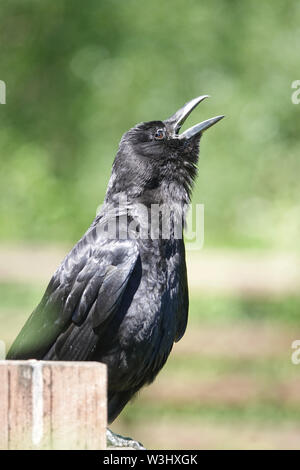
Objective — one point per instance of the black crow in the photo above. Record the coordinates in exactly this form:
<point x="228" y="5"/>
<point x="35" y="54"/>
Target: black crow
<point x="121" y="295"/>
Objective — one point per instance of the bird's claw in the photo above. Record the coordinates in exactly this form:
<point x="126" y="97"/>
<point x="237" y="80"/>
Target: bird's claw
<point x="116" y="440"/>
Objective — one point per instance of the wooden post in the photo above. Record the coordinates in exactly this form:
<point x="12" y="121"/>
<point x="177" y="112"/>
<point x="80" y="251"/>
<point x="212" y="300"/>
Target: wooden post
<point x="52" y="405"/>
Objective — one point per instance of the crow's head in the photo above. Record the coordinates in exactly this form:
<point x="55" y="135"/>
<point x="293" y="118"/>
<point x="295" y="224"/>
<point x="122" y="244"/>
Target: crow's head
<point x="155" y="161"/>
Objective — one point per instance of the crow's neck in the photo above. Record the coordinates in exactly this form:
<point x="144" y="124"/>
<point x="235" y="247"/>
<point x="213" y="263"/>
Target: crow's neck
<point x="159" y="213"/>
<point x="169" y="192"/>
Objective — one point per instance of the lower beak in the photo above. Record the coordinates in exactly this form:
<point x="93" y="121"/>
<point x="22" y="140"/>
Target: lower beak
<point x="176" y="121"/>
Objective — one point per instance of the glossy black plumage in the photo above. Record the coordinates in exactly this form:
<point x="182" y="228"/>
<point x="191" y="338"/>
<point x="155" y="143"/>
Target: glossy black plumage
<point x="123" y="301"/>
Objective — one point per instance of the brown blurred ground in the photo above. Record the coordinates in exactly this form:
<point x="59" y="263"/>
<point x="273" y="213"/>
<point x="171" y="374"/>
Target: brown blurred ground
<point x="209" y="270"/>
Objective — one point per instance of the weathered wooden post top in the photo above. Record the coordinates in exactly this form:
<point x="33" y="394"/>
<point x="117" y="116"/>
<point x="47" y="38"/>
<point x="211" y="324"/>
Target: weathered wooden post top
<point x="52" y="405"/>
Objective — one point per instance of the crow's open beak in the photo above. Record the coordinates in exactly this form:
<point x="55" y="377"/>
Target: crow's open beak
<point x="175" y="122"/>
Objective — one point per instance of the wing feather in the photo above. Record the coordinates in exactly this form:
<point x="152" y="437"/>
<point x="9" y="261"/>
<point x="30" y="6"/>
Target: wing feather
<point x="91" y="280"/>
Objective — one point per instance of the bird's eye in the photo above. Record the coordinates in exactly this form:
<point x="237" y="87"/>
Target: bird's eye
<point x="159" y="134"/>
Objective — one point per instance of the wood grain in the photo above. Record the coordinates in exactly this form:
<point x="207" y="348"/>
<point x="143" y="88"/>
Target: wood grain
<point x="52" y="405"/>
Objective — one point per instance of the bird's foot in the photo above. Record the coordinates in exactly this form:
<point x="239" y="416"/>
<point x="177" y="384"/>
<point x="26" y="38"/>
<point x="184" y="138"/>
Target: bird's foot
<point x="115" y="440"/>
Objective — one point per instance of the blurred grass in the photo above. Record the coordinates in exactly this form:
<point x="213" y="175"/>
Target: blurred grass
<point x="77" y="80"/>
<point x="19" y="296"/>
<point x="262" y="413"/>
<point x="223" y="309"/>
<point x="214" y="309"/>
<point x="212" y="367"/>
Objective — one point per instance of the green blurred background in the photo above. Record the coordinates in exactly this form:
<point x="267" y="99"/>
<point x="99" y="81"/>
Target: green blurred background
<point x="78" y="75"/>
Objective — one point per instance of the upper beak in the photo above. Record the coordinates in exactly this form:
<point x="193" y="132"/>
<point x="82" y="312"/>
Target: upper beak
<point x="176" y="121"/>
